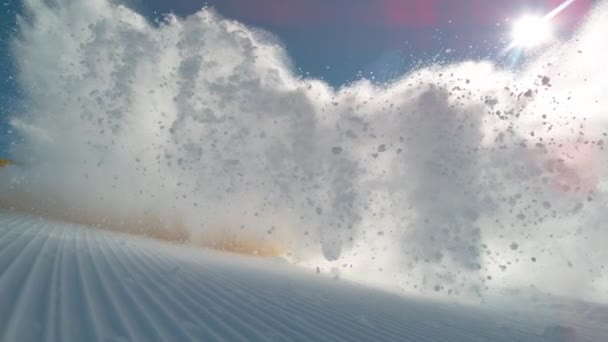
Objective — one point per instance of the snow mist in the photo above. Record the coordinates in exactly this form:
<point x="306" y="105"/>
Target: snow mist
<point x="454" y="180"/>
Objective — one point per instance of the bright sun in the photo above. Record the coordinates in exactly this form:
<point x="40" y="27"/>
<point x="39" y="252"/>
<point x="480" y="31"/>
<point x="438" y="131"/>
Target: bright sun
<point x="530" y="31"/>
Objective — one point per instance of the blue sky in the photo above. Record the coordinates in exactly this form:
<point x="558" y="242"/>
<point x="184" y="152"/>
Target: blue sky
<point x="341" y="40"/>
<point x="9" y="95"/>
<point x="383" y="37"/>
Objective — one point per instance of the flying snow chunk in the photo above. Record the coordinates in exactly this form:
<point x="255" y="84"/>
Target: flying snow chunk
<point x="332" y="249"/>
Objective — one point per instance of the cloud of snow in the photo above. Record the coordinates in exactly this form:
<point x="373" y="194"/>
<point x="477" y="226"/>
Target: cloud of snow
<point x="455" y="179"/>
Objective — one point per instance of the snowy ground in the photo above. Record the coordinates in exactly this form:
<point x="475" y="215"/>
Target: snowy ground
<point x="61" y="282"/>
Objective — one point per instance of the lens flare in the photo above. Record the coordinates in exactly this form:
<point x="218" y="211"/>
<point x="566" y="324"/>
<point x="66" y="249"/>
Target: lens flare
<point x="5" y="162"/>
<point x="531" y="31"/>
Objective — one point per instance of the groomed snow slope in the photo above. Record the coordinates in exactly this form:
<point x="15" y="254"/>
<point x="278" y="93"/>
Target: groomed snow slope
<point x="62" y="282"/>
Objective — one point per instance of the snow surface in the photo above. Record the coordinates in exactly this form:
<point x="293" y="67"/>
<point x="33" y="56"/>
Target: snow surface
<point x="65" y="282"/>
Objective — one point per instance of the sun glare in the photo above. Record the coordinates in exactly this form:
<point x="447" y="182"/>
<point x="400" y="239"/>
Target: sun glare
<point x="531" y="31"/>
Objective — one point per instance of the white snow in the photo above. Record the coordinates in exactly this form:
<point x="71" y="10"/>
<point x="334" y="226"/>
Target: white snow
<point x="64" y="282"/>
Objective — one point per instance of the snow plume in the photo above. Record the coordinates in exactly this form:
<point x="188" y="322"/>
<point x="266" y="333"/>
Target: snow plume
<point x="456" y="179"/>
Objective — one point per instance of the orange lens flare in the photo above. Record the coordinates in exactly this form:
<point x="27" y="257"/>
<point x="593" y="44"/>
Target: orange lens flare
<point x="5" y="162"/>
<point x="173" y="230"/>
<point x="241" y="243"/>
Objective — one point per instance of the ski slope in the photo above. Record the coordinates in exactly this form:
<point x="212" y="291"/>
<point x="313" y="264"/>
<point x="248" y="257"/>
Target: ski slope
<point x="63" y="282"/>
